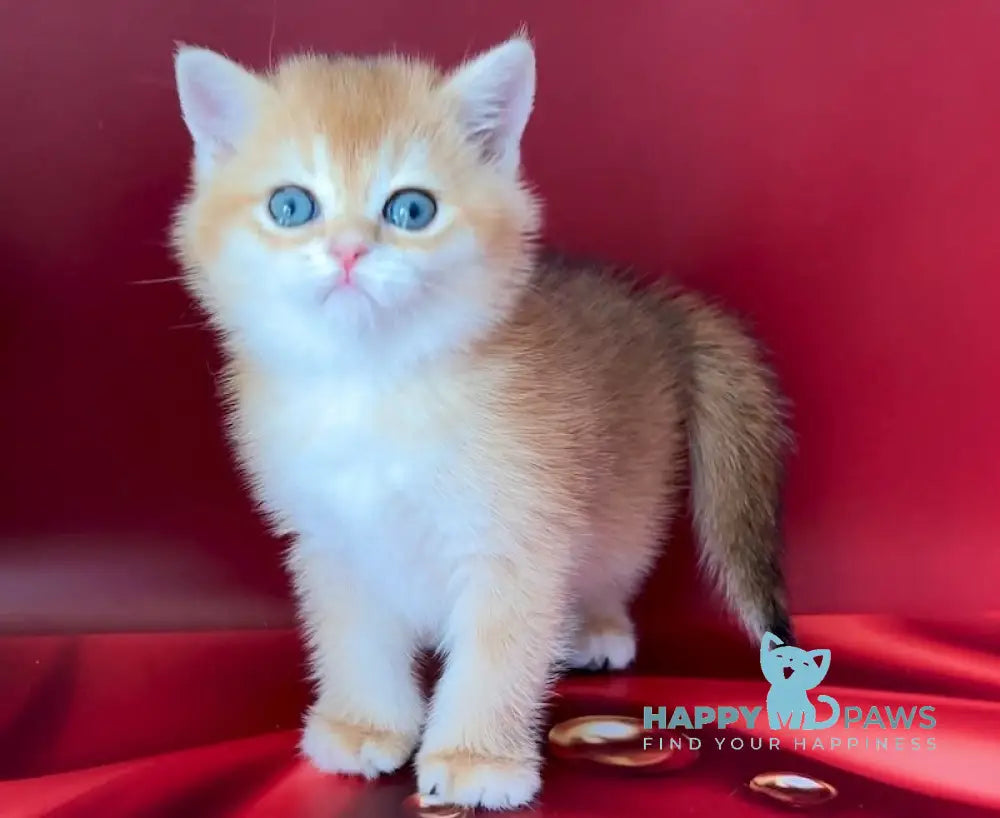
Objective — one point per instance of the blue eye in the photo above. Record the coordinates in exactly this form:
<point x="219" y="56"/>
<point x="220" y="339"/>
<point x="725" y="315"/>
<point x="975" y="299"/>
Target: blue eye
<point x="410" y="209"/>
<point x="292" y="206"/>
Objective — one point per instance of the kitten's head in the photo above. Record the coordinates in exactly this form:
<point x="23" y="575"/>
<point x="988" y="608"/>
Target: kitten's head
<point x="342" y="206"/>
<point x="789" y="666"/>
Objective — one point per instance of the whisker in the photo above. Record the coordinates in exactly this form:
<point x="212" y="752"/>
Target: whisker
<point x="196" y="325"/>
<point x="157" y="280"/>
<point x="274" y="28"/>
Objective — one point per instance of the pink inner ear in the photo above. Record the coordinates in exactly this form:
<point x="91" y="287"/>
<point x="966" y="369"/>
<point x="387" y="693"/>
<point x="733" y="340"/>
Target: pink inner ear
<point x="213" y="116"/>
<point x="204" y="102"/>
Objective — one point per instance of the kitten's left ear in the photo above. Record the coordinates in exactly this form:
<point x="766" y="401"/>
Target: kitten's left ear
<point x="219" y="99"/>
<point x="821" y="658"/>
<point x="496" y="91"/>
<point x="769" y="641"/>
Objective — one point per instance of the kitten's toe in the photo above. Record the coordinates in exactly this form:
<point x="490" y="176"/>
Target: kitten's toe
<point x="339" y="747"/>
<point x="612" y="648"/>
<point x="476" y="780"/>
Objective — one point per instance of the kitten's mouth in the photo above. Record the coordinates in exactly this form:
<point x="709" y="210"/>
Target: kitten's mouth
<point x="342" y="289"/>
<point x="788" y="672"/>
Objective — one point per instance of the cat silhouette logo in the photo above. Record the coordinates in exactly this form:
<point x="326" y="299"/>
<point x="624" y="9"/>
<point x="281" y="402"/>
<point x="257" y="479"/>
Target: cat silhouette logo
<point x="793" y="672"/>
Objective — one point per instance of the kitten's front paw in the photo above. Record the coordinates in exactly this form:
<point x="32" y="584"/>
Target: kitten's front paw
<point x="476" y="780"/>
<point x="339" y="747"/>
<point x="597" y="648"/>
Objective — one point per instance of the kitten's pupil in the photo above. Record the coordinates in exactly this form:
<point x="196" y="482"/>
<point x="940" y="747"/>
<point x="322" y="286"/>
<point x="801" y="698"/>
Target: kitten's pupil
<point x="410" y="209"/>
<point x="292" y="206"/>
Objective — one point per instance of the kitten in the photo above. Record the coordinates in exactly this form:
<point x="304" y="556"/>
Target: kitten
<point x="792" y="672"/>
<point x="475" y="449"/>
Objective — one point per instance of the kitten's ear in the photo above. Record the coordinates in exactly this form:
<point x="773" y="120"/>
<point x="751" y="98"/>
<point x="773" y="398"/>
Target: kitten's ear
<point x="769" y="641"/>
<point x="218" y="101"/>
<point x="821" y="658"/>
<point x="496" y="91"/>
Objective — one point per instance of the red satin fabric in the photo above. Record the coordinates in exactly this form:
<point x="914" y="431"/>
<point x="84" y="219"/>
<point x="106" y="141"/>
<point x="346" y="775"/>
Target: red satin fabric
<point x="204" y="724"/>
<point x="828" y="170"/>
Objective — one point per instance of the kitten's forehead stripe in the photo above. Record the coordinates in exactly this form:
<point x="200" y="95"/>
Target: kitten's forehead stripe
<point x="327" y="180"/>
<point x="357" y="104"/>
<point x="363" y="126"/>
<point x="381" y="178"/>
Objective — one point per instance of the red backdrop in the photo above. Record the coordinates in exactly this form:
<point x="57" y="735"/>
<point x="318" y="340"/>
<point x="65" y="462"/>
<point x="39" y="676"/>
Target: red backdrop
<point x="827" y="169"/>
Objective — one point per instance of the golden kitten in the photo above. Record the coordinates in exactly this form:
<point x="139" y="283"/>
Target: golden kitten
<point x="475" y="449"/>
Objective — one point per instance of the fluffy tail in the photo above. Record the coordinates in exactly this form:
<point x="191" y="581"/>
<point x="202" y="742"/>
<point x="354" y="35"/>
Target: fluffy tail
<point x="737" y="441"/>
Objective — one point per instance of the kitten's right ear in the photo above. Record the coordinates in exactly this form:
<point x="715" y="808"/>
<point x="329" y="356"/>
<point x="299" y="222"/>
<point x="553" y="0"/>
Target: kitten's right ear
<point x="218" y="101"/>
<point x="496" y="91"/>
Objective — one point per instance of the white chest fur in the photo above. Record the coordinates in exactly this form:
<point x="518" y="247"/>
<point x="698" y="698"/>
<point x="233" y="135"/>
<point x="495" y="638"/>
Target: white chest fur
<point x="378" y="479"/>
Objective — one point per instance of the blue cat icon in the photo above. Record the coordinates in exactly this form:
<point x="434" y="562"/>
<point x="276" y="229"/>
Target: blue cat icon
<point x="792" y="672"/>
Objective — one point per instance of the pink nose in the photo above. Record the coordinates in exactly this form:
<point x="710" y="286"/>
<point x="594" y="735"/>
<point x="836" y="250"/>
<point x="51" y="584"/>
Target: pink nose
<point x="348" y="254"/>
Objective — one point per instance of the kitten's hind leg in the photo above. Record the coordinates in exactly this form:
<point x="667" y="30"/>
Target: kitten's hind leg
<point x="622" y="549"/>
<point x="623" y="542"/>
<point x="604" y="637"/>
